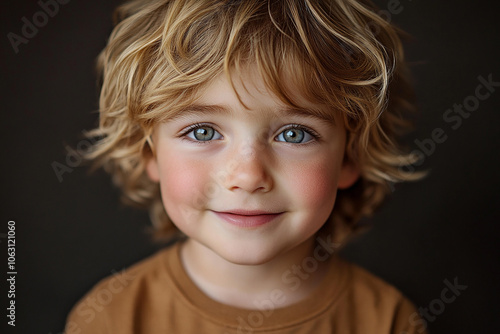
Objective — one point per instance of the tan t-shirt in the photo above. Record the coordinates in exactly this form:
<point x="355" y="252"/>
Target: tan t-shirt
<point x="157" y="296"/>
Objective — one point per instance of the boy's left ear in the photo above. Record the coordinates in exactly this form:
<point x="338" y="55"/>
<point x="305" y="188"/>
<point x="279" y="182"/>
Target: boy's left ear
<point x="349" y="174"/>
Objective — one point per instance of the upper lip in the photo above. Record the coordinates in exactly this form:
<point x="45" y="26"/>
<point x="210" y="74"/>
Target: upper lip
<point x="242" y="212"/>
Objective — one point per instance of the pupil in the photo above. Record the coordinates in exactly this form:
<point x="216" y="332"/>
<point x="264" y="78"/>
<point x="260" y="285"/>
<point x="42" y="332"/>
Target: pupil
<point x="294" y="135"/>
<point x="204" y="134"/>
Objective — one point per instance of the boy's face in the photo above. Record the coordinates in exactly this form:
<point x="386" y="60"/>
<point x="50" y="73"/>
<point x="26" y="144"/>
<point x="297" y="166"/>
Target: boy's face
<point x="218" y="162"/>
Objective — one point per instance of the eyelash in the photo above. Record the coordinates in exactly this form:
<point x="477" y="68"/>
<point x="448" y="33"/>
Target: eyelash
<point x="195" y="126"/>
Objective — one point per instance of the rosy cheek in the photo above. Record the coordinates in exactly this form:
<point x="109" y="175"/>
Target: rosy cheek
<point x="315" y="184"/>
<point x="182" y="185"/>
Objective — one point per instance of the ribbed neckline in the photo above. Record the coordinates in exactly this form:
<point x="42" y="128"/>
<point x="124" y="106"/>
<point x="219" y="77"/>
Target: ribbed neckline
<point x="324" y="297"/>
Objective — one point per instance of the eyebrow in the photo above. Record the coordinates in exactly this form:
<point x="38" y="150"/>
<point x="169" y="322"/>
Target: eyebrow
<point x="315" y="113"/>
<point x="199" y="109"/>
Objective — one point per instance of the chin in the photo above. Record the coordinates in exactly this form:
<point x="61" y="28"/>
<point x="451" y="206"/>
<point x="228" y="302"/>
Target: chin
<point x="245" y="256"/>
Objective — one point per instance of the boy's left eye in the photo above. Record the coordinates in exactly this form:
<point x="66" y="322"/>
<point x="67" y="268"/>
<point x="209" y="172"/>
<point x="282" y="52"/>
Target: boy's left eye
<point x="295" y="135"/>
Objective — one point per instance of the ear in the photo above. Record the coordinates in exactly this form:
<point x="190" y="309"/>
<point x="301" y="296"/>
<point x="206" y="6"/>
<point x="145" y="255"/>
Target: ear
<point x="349" y="174"/>
<point x="152" y="169"/>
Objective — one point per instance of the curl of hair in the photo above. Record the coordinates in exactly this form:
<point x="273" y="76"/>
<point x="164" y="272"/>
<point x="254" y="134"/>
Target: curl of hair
<point x="339" y="53"/>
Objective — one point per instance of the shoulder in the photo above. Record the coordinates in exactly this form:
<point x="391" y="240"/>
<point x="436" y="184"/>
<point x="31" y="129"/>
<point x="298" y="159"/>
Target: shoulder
<point x="371" y="287"/>
<point x="119" y="295"/>
<point x="379" y="302"/>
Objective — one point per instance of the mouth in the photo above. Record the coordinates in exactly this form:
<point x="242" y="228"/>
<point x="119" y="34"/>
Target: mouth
<point x="247" y="218"/>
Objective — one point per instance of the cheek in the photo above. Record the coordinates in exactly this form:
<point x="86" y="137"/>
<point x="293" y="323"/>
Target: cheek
<point x="314" y="185"/>
<point x="183" y="185"/>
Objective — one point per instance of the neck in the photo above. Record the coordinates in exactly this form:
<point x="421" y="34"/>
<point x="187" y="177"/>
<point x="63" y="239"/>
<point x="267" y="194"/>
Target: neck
<point x="245" y="285"/>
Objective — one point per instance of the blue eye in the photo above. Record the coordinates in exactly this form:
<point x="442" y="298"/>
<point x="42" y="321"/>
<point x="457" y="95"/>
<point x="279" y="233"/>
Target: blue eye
<point x="200" y="132"/>
<point x="295" y="135"/>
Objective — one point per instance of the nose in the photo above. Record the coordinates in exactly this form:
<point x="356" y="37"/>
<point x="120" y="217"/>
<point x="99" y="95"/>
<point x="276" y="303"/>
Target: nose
<point x="248" y="169"/>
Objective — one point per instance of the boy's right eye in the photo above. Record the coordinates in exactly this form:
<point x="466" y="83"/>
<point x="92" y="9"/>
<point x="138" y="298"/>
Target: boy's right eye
<point x="202" y="132"/>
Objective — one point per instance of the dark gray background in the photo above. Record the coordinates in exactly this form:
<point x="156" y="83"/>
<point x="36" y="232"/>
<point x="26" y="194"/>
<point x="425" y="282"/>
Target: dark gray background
<point x="72" y="233"/>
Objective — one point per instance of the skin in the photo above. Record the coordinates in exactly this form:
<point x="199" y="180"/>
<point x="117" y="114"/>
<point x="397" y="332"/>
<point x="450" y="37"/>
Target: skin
<point x="250" y="164"/>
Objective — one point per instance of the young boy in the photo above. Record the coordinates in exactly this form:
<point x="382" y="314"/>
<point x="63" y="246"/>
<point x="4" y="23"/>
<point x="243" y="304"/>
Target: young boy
<point x="261" y="131"/>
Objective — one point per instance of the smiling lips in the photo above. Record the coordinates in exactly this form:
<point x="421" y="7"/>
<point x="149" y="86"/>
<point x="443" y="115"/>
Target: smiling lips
<point x="245" y="218"/>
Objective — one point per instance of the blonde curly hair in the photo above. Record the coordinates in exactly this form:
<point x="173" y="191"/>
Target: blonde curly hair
<point x="341" y="54"/>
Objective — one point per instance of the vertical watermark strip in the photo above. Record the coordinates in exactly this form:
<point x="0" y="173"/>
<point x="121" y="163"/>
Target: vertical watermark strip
<point x="11" y="273"/>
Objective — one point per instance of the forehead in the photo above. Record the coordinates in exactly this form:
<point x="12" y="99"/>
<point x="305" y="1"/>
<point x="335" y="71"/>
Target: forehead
<point x="247" y="92"/>
<point x="240" y="90"/>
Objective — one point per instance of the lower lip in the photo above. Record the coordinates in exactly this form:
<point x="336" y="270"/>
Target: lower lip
<point x="247" y="221"/>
